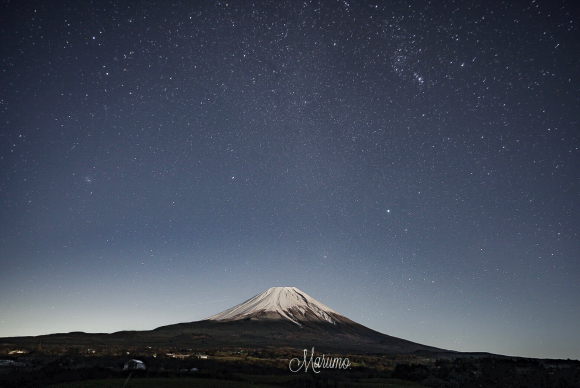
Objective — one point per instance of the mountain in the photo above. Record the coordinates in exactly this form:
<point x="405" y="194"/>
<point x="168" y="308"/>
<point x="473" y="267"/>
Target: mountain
<point x="277" y="317"/>
<point x="286" y="316"/>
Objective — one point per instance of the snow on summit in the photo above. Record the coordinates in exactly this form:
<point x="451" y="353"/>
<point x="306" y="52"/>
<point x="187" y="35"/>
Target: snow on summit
<point x="279" y="302"/>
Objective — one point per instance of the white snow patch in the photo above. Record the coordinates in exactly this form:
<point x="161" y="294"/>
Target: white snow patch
<point x="278" y="300"/>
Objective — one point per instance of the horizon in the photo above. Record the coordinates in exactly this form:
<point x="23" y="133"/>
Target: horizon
<point x="413" y="166"/>
<point x="245" y="300"/>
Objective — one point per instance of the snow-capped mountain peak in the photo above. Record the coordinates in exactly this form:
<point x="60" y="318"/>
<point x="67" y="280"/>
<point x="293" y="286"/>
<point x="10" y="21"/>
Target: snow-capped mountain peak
<point x="279" y="303"/>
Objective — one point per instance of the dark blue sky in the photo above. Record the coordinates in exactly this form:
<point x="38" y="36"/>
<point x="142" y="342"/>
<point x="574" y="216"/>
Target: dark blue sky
<point x="414" y="166"/>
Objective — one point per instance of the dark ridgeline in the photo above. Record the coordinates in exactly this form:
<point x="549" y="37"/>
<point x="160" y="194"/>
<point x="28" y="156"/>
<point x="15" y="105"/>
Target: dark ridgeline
<point x="280" y="316"/>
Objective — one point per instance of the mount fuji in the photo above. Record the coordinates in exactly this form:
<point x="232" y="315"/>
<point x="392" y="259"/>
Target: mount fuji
<point x="287" y="316"/>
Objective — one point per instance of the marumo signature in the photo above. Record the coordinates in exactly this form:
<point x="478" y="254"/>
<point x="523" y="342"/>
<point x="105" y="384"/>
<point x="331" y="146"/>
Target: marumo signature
<point x="315" y="363"/>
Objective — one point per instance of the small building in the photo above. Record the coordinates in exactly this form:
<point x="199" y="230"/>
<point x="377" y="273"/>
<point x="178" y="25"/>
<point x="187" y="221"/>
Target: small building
<point x="134" y="365"/>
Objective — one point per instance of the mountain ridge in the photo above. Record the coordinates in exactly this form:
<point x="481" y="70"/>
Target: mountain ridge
<point x="277" y="317"/>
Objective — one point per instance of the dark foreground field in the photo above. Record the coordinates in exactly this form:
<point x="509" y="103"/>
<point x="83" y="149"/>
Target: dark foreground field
<point x="296" y="381"/>
<point x="223" y="370"/>
<point x="268" y="367"/>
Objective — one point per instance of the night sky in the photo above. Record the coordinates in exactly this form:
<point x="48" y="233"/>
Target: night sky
<point x="413" y="165"/>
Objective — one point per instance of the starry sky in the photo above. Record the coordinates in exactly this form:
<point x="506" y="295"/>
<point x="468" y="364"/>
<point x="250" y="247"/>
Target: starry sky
<point x="414" y="165"/>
